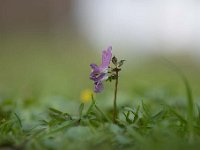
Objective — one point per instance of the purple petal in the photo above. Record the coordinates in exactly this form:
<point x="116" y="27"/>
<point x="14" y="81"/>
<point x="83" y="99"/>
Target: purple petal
<point x="94" y="67"/>
<point x="98" y="77"/>
<point x="93" y="76"/>
<point x="106" y="58"/>
<point x="99" y="73"/>
<point x="98" y="87"/>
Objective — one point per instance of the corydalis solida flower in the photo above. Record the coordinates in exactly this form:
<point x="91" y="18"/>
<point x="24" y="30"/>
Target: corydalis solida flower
<point x="100" y="73"/>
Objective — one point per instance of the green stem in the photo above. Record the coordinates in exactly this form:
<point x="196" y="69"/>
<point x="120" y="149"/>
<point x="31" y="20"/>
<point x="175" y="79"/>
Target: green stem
<point x="98" y="109"/>
<point x="115" y="98"/>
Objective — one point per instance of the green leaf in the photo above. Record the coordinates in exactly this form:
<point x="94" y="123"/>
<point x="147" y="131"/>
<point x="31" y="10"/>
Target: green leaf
<point x="114" y="60"/>
<point x="109" y="79"/>
<point x="18" y="119"/>
<point x="55" y="111"/>
<point x="121" y="62"/>
<point x="81" y="107"/>
<point x="61" y="127"/>
<point x="127" y="117"/>
<point x="146" y="110"/>
<point x="59" y="115"/>
<point x="90" y="107"/>
<point x="159" y="115"/>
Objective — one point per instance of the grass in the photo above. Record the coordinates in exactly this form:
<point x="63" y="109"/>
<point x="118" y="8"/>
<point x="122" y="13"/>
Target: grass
<point x="139" y="127"/>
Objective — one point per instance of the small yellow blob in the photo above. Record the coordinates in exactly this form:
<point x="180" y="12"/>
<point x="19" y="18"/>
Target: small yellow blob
<point x="86" y="96"/>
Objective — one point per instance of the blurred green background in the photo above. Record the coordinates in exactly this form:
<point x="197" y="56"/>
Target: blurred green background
<point x="43" y="53"/>
<point x="35" y="65"/>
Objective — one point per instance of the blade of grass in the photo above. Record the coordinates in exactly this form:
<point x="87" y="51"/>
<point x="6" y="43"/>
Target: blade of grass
<point x="190" y="112"/>
<point x="81" y="107"/>
<point x="91" y="106"/>
<point x="98" y="109"/>
<point x="181" y="118"/>
<point x="18" y="119"/>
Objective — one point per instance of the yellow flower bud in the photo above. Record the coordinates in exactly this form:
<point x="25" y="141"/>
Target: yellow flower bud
<point x="86" y="96"/>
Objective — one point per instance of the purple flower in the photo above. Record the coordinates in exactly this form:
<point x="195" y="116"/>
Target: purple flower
<point x="100" y="73"/>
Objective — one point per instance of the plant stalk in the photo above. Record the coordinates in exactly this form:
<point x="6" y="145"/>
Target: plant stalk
<point x="115" y="98"/>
